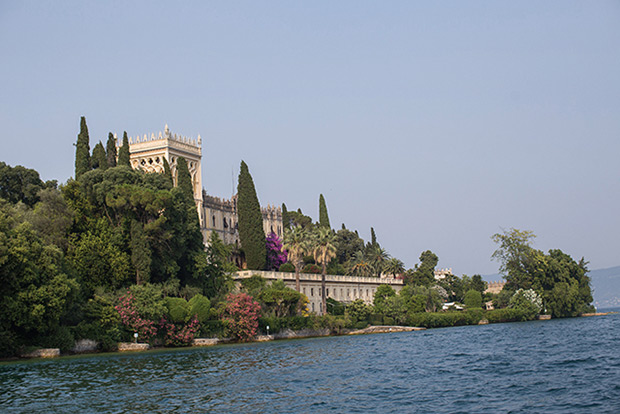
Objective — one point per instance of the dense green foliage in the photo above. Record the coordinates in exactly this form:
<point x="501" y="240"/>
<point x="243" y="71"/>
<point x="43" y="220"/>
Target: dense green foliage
<point x="20" y="184"/>
<point x="251" y="233"/>
<point x="561" y="282"/>
<point x="473" y="299"/>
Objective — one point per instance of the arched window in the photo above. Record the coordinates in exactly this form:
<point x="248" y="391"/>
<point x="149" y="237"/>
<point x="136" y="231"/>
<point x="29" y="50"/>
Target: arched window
<point x="213" y="221"/>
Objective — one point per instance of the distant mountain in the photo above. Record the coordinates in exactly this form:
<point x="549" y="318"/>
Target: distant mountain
<point x="605" y="286"/>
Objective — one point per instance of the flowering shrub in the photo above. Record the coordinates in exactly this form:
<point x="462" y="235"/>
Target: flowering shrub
<point x="528" y="301"/>
<point x="275" y="254"/>
<point x="132" y="320"/>
<point x="241" y="315"/>
<point x="174" y="335"/>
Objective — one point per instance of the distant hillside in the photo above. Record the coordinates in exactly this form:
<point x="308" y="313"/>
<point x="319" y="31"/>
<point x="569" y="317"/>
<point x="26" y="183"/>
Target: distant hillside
<point x="605" y="286"/>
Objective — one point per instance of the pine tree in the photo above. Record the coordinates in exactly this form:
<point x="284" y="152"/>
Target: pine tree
<point x="99" y="159"/>
<point x="82" y="150"/>
<point x="168" y="172"/>
<point x="251" y="233"/>
<point x="323" y="216"/>
<point x="184" y="179"/>
<point x="285" y="220"/>
<point x="111" y="150"/>
<point x="123" y="153"/>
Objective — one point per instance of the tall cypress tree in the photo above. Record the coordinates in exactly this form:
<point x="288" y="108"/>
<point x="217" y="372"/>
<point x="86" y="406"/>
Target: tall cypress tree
<point x="110" y="148"/>
<point x="123" y="153"/>
<point x="140" y="253"/>
<point x="323" y="217"/>
<point x="82" y="150"/>
<point x="184" y="179"/>
<point x="373" y="237"/>
<point x="285" y="220"/>
<point x="99" y="159"/>
<point x="251" y="233"/>
<point x="168" y="172"/>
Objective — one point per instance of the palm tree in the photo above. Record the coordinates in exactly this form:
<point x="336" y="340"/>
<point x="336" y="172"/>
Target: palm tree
<point x="296" y="243"/>
<point x="361" y="265"/>
<point x="377" y="257"/>
<point x="324" y="251"/>
<point x="394" y="266"/>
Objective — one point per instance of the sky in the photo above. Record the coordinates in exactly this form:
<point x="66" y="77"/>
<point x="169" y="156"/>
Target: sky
<point x="438" y="124"/>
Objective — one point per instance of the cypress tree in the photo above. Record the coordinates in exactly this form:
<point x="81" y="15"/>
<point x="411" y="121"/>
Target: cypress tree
<point x="111" y="150"/>
<point x="168" y="172"/>
<point x="82" y="150"/>
<point x="123" y="153"/>
<point x="373" y="237"/>
<point x="251" y="233"/>
<point x="99" y="159"/>
<point x="285" y="220"/>
<point x="323" y="216"/>
<point x="140" y="253"/>
<point x="184" y="179"/>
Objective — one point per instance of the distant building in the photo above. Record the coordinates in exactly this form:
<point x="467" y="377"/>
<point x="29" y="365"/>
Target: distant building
<point x="495" y="287"/>
<point x="216" y="215"/>
<point x="442" y="273"/>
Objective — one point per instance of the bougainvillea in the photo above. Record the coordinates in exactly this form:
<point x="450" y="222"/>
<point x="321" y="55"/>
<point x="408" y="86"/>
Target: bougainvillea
<point x="275" y="254"/>
<point x="241" y="315"/>
<point x="130" y="318"/>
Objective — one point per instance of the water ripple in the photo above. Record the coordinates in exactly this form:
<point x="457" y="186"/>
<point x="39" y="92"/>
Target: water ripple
<point x="553" y="366"/>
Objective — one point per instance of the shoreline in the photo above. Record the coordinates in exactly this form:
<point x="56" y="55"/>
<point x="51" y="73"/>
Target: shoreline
<point x="286" y="334"/>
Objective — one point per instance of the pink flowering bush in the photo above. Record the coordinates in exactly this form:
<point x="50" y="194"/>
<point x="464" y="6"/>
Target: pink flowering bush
<point x="241" y="316"/>
<point x="175" y="334"/>
<point x="130" y="318"/>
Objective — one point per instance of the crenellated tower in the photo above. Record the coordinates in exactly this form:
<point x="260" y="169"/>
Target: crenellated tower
<point x="148" y="152"/>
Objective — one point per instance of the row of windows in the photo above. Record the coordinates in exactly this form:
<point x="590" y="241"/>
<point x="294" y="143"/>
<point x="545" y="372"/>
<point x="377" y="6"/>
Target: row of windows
<point x="340" y="293"/>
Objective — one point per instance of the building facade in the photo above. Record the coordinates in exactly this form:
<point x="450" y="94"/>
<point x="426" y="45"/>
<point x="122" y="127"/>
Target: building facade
<point x="344" y="289"/>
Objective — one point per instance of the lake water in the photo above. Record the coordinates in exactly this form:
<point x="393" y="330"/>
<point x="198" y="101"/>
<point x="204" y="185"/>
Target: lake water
<point x="557" y="366"/>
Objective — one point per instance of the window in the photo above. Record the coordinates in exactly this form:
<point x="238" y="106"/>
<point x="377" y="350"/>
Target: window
<point x="213" y="221"/>
<point x="348" y="294"/>
<point x="354" y="293"/>
<point x="312" y="306"/>
<point x="327" y="292"/>
<point x="225" y="223"/>
<point x="312" y="294"/>
<point x="304" y="291"/>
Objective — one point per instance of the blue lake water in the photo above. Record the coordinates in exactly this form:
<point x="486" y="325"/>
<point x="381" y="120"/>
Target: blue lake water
<point x="557" y="366"/>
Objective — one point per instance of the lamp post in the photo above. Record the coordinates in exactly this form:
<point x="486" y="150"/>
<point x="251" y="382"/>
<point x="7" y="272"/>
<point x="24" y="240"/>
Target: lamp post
<point x="267" y="330"/>
<point x="135" y="337"/>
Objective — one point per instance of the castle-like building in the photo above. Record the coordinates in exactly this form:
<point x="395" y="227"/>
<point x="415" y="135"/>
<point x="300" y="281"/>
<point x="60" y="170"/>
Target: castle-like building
<point x="215" y="214"/>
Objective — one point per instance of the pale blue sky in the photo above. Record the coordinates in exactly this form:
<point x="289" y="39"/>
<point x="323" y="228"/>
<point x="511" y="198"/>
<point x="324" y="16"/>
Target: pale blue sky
<point x="437" y="123"/>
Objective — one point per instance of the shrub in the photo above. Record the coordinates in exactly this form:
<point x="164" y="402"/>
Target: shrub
<point x="527" y="301"/>
<point x="287" y="267"/>
<point x="311" y="268"/>
<point x="473" y="299"/>
<point x="241" y="316"/>
<point x="178" y="309"/>
<point x="200" y="307"/>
